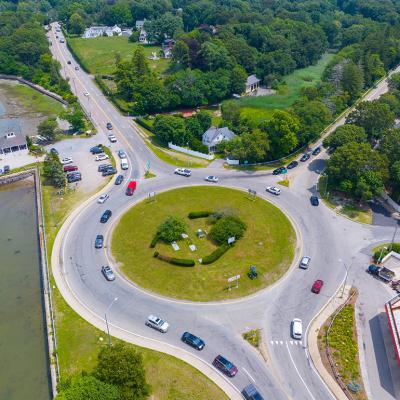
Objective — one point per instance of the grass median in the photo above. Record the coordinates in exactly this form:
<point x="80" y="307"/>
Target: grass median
<point x="268" y="243"/>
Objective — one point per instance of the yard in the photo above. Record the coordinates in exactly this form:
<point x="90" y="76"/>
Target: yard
<point x="98" y="54"/>
<point x="268" y="243"/>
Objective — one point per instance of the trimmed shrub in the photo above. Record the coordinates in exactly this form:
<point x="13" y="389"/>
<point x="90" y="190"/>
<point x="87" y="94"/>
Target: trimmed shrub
<point x="171" y="229"/>
<point x="154" y="241"/>
<point x="199" y="214"/>
<point x="227" y="227"/>
<point x="216" y="254"/>
<point x="182" y="262"/>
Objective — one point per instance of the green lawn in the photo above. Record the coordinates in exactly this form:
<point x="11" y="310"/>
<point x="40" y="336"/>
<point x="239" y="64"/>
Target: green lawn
<point x="99" y="54"/>
<point x="268" y="244"/>
<point x="300" y="78"/>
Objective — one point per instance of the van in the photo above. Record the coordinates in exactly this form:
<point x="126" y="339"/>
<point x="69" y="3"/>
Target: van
<point x="305" y="262"/>
<point x="297" y="329"/>
<point x="124" y="164"/>
<point x="131" y="188"/>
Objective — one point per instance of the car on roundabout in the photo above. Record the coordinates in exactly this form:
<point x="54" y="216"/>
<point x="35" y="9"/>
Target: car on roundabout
<point x="225" y="366"/>
<point x="157" y="323"/>
<point x="105" y="216"/>
<point x="98" y="243"/>
<point x="211" y="178"/>
<point x="297" y="328"/>
<point x="103" y="198"/>
<point x="183" y="171"/>
<point x="119" y="179"/>
<point x="193" y="341"/>
<point x="112" y="138"/>
<point x="280" y="170"/>
<point x="251" y="393"/>
<point x="274" y="190"/>
<point x="314" y="201"/>
<point x="317" y="286"/>
<point x="121" y="153"/>
<point x="108" y="273"/>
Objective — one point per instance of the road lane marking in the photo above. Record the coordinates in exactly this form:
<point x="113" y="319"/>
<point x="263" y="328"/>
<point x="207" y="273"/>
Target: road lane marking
<point x="281" y="342"/>
<point x="298" y="373"/>
<point x="247" y="372"/>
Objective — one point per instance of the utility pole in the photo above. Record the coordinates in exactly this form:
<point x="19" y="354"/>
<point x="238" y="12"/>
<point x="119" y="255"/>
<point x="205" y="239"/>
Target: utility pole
<point x="105" y="316"/>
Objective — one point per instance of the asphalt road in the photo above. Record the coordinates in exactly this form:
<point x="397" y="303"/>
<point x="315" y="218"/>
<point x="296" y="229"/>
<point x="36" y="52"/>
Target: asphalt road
<point x="322" y="235"/>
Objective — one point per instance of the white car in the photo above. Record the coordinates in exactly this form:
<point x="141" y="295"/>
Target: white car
<point x="211" y="178"/>
<point x="102" y="199"/>
<point x="183" y="171"/>
<point x="297" y="328"/>
<point x="157" y="323"/>
<point x="112" y="138"/>
<point x="121" y="154"/>
<point x="305" y="262"/>
<point x="86" y="94"/>
<point x="274" y="190"/>
<point x="124" y="164"/>
<point x="101" y="157"/>
<point x="66" y="160"/>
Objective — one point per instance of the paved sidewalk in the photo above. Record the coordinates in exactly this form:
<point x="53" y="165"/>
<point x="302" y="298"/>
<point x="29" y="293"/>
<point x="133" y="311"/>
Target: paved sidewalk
<point x="334" y="303"/>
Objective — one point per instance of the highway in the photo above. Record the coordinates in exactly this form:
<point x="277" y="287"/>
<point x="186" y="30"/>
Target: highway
<point x="288" y="372"/>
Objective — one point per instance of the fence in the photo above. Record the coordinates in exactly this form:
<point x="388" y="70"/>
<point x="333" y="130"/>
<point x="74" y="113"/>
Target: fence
<point x="191" y="152"/>
<point x="6" y="179"/>
<point x="391" y="202"/>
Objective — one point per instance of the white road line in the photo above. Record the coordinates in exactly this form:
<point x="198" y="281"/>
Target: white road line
<point x="276" y="342"/>
<point x="247" y="372"/>
<point x="272" y="342"/>
<point x="291" y="342"/>
<point x="281" y="342"/>
<point x="298" y="373"/>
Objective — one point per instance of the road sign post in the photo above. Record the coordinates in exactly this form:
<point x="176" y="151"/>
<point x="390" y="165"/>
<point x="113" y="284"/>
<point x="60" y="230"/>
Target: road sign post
<point x="252" y="194"/>
<point x="233" y="279"/>
<point x="152" y="196"/>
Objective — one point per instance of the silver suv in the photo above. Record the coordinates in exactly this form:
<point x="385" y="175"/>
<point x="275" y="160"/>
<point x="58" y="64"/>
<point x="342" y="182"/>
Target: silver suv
<point x="183" y="171"/>
<point x="157" y="323"/>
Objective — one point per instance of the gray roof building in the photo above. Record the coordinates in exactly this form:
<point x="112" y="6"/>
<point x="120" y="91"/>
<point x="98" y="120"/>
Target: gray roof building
<point x="12" y="142"/>
<point x="252" y="83"/>
<point x="213" y="136"/>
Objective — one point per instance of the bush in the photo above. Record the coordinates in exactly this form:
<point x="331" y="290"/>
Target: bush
<point x="395" y="247"/>
<point x="154" y="241"/>
<point x="216" y="254"/>
<point x="171" y="229"/>
<point x="143" y="123"/>
<point x="226" y="227"/>
<point x="199" y="214"/>
<point x="183" y="262"/>
<point x="99" y="80"/>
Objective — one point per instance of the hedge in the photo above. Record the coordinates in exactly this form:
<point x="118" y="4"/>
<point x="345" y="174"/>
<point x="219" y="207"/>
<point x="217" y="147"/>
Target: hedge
<point x="99" y="80"/>
<point x="144" y="124"/>
<point x="182" y="262"/>
<point x="199" y="214"/>
<point x="154" y="241"/>
<point x="216" y="254"/>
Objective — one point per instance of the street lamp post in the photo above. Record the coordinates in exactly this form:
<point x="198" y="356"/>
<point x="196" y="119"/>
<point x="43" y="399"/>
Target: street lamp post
<point x="380" y="255"/>
<point x="347" y="274"/>
<point x="105" y="316"/>
<point x="394" y="234"/>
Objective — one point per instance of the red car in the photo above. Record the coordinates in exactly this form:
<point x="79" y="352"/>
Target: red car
<point x="70" y="168"/>
<point x="131" y="188"/>
<point x="317" y="286"/>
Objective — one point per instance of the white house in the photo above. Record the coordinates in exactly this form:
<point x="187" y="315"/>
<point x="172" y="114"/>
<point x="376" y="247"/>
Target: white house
<point x="252" y="84"/>
<point x="139" y="24"/>
<point x="97" y="31"/>
<point x="213" y="136"/>
<point x="143" y="36"/>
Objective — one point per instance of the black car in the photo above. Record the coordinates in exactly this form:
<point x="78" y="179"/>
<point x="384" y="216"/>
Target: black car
<point x="314" y="200"/>
<point x="54" y="151"/>
<point x="251" y="393"/>
<point x="280" y="170"/>
<point x="109" y="125"/>
<point x="96" y="150"/>
<point x="98" y="243"/>
<point x="106" y="216"/>
<point x="225" y="366"/>
<point x="73" y="173"/>
<point x="305" y="157"/>
<point x="104" y="167"/>
<point x="119" y="179"/>
<point x="292" y="164"/>
<point x="316" y="151"/>
<point x="109" y="171"/>
<point x="193" y="341"/>
<point x="68" y="62"/>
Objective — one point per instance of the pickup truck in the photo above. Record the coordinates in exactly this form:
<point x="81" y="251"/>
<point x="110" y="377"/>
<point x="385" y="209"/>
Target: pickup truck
<point x="381" y="272"/>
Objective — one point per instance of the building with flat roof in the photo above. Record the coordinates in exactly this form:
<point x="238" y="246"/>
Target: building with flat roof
<point x="392" y="308"/>
<point x="13" y="142"/>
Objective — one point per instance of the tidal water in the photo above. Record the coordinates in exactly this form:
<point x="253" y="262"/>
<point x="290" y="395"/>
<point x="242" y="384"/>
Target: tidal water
<point x="24" y="372"/>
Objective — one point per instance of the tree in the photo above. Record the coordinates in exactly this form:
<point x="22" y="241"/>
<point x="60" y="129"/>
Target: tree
<point x="76" y="24"/>
<point x="167" y="25"/>
<point x="230" y="111"/>
<point x="226" y="227"/>
<point x="374" y="116"/>
<point x="53" y="170"/>
<point x="75" y="117"/>
<point x="394" y="81"/>
<point x="214" y="55"/>
<point x="170" y="128"/>
<point x="238" y="77"/>
<point x="88" y="388"/>
<point x="204" y="120"/>
<point x="390" y="145"/>
<point x="139" y="63"/>
<point x="171" y="229"/>
<point x="48" y="128"/>
<point x="352" y="80"/>
<point x="134" y="38"/>
<point x="180" y="54"/>
<point x="345" y="134"/>
<point x="123" y="367"/>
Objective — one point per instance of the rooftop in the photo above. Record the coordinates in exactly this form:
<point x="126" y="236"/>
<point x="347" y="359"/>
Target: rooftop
<point x="252" y="80"/>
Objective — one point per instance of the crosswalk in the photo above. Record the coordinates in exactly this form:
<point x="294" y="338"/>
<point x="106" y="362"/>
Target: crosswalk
<point x="282" y="342"/>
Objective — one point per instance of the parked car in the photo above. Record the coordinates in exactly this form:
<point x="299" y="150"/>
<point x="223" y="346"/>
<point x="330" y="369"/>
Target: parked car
<point x="211" y="178"/>
<point x="104" y="167"/>
<point x="101" y="157"/>
<point x="157" y="323"/>
<point x="280" y="170"/>
<point x="62" y="41"/>
<point x="292" y="164"/>
<point x="130" y="188"/>
<point x="73" y="173"/>
<point x="109" y="125"/>
<point x="316" y="151"/>
<point x="124" y="164"/>
<point x="274" y="190"/>
<point x="108" y="273"/>
<point x="305" y="262"/>
<point x="54" y="151"/>
<point x="6" y="169"/>
<point x="317" y="286"/>
<point x="74" y="178"/>
<point x="112" y="138"/>
<point x="76" y="68"/>
<point x="103" y="198"/>
<point x="119" y="179"/>
<point x="297" y="328"/>
<point x="66" y="160"/>
<point x="98" y="243"/>
<point x="381" y="272"/>
<point x="225" y="366"/>
<point x="305" y="157"/>
<point x="251" y="393"/>
<point x="183" y="171"/>
<point x="70" y="168"/>
<point x="109" y="171"/>
<point x="96" y="149"/>
<point x="193" y="341"/>
<point x="314" y="200"/>
<point x="121" y="153"/>
<point x="106" y="216"/>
